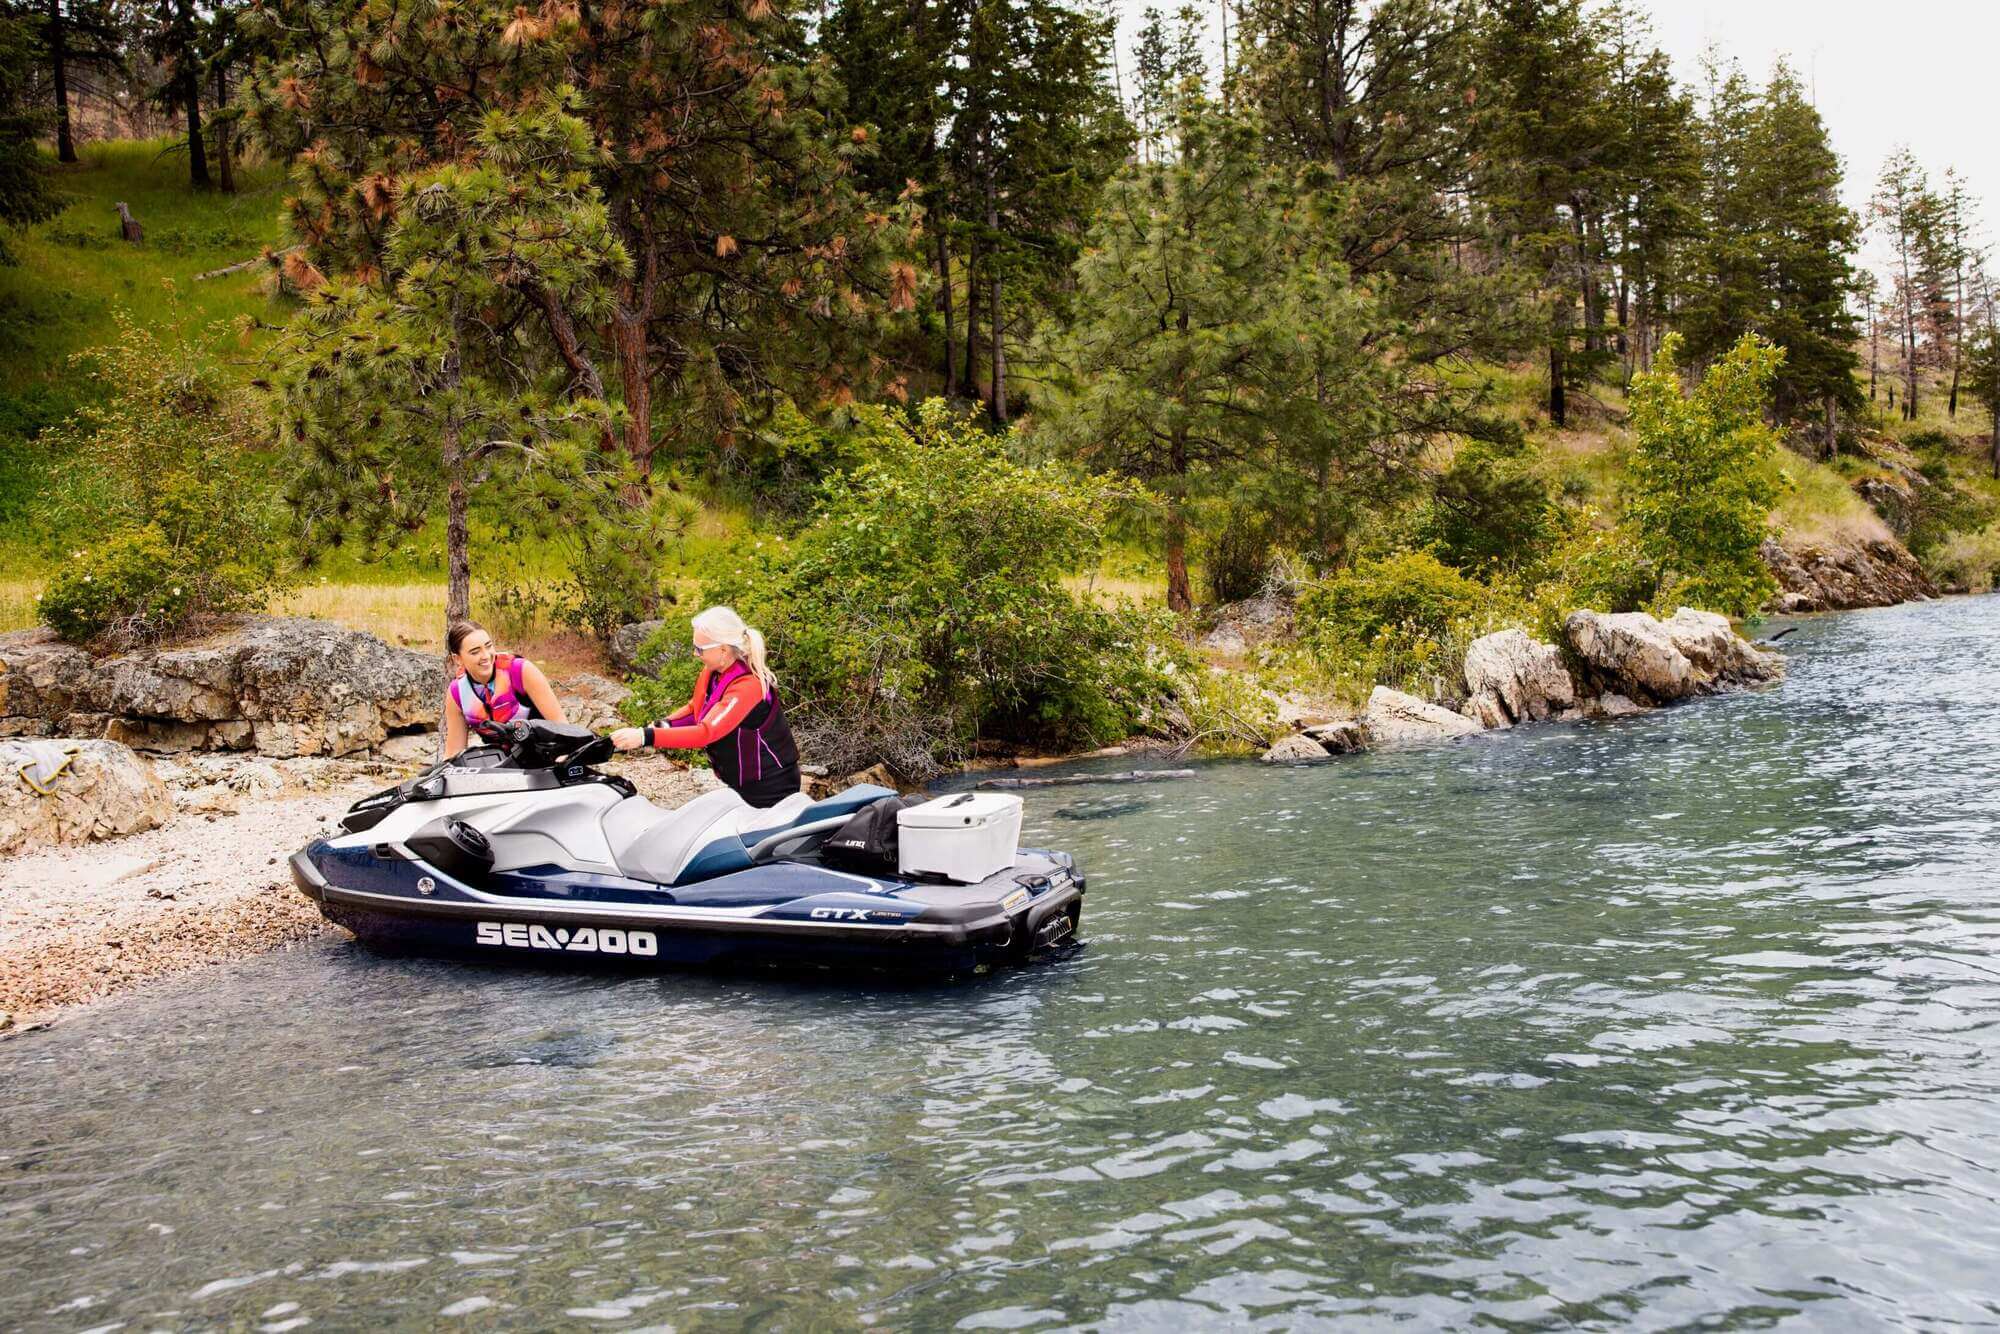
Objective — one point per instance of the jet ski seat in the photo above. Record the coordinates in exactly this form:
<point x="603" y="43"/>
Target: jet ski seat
<point x="711" y="834"/>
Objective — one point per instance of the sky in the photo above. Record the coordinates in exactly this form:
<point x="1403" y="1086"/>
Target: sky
<point x="1917" y="72"/>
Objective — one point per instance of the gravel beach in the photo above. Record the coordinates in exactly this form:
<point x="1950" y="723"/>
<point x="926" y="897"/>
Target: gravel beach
<point x="79" y="924"/>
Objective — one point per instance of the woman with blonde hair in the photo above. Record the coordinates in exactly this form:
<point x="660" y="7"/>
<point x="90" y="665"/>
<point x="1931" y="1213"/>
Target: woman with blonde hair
<point x="734" y="714"/>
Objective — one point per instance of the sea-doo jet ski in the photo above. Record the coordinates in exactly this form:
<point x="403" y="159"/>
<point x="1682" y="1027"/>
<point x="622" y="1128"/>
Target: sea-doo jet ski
<point x="523" y="849"/>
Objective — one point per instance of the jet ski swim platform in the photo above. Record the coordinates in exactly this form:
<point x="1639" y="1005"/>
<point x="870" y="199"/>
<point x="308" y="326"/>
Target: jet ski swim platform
<point x="523" y="850"/>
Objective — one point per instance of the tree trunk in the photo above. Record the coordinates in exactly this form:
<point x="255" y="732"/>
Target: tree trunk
<point x="59" y="71"/>
<point x="998" y="355"/>
<point x="1558" y="371"/>
<point x="1831" y="435"/>
<point x="1180" y="594"/>
<point x="190" y="87"/>
<point x="224" y="167"/>
<point x="970" y="379"/>
<point x="944" y="298"/>
<point x="1874" y="347"/>
<point x="457" y="540"/>
<point x="628" y="336"/>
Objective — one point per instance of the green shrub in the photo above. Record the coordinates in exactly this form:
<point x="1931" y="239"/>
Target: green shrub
<point x="1589" y="564"/>
<point x="139" y="586"/>
<point x="1699" y="494"/>
<point x="923" y="605"/>
<point x="1488" y="511"/>
<point x="163" y="509"/>
<point x="1942" y="508"/>
<point x="1402" y="621"/>
<point x="1967" y="561"/>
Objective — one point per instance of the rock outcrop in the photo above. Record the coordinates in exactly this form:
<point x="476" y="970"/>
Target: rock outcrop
<point x="626" y="641"/>
<point x="72" y="791"/>
<point x="1629" y="653"/>
<point x="1513" y="679"/>
<point x="1843" y="576"/>
<point x="279" y="686"/>
<point x="1721" y="657"/>
<point x="1648" y="662"/>
<point x="1393" y="719"/>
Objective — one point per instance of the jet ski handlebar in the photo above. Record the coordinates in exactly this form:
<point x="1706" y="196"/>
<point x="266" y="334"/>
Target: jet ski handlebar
<point x="536" y="743"/>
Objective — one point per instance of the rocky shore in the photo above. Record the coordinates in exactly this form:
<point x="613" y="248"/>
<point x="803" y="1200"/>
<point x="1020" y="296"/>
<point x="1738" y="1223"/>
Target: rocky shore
<point x="1610" y="665"/>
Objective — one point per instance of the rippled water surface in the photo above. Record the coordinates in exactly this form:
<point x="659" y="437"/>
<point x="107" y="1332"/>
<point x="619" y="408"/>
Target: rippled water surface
<point x="1686" y="1019"/>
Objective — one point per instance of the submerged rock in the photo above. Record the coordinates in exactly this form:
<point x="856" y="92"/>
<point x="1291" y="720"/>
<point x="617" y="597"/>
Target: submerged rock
<point x="1393" y="718"/>
<point x="1297" y="748"/>
<point x="72" y="791"/>
<point x="1514" y="679"/>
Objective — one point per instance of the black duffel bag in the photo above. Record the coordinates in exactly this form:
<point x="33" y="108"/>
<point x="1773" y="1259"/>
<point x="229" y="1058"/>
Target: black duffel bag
<point x="867" y="842"/>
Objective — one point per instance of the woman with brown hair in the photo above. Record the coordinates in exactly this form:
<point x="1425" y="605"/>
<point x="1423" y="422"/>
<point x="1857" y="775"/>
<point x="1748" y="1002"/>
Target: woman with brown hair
<point x="490" y="686"/>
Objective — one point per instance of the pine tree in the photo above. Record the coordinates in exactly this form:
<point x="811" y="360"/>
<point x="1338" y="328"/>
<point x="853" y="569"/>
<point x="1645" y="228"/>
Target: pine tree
<point x="27" y="194"/>
<point x="409" y="389"/>
<point x="1551" y="166"/>
<point x="83" y="42"/>
<point x="1775" y="256"/>
<point x="759" y="270"/>
<point x="1217" y="342"/>
<point x="1656" y="212"/>
<point x="1904" y="208"/>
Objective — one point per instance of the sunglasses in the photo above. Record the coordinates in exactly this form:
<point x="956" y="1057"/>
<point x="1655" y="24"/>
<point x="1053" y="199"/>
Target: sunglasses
<point x="700" y="649"/>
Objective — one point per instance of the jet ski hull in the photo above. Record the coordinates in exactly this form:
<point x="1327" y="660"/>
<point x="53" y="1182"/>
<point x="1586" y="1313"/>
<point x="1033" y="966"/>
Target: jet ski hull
<point x="557" y="918"/>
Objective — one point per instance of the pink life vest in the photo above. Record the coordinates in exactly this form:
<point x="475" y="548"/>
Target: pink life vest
<point x="500" y="699"/>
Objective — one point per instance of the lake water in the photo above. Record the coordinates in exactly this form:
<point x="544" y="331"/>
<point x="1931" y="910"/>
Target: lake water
<point x="1688" y="1019"/>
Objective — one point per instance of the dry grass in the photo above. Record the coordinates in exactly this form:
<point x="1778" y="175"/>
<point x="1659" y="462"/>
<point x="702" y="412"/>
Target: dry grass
<point x="1821" y="508"/>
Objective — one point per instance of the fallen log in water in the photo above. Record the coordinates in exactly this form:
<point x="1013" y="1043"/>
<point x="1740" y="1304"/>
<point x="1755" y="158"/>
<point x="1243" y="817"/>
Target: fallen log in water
<point x="1071" y="780"/>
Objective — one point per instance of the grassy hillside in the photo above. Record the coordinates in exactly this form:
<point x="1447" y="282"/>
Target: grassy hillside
<point x="75" y="273"/>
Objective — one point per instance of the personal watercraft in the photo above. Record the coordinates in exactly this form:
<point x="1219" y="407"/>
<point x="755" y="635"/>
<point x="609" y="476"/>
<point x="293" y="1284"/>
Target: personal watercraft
<point x="522" y="848"/>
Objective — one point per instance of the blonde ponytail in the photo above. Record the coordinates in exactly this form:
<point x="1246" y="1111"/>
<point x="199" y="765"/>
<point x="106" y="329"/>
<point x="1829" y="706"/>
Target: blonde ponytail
<point x="753" y="654"/>
<point x="724" y="626"/>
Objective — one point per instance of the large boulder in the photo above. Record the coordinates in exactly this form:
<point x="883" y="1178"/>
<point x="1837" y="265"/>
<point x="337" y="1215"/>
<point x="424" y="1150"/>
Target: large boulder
<point x="1718" y="653"/>
<point x="1514" y="679"/>
<point x="623" y="649"/>
<point x="1393" y="718"/>
<point x="1649" y="662"/>
<point x="1298" y="748"/>
<point x="1632" y="654"/>
<point x="283" y="686"/>
<point x="71" y="791"/>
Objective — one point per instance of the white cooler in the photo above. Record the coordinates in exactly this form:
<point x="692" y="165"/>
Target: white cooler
<point x="963" y="838"/>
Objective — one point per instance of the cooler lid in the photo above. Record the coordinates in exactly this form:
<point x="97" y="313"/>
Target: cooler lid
<point x="959" y="811"/>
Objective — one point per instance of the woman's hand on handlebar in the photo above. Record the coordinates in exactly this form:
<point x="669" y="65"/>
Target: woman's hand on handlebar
<point x="629" y="738"/>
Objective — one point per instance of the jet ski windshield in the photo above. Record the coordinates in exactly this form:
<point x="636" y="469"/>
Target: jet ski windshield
<point x="536" y="743"/>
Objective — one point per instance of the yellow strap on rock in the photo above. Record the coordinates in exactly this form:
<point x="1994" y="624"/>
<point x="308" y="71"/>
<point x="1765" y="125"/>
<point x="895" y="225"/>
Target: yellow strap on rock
<point x="46" y="786"/>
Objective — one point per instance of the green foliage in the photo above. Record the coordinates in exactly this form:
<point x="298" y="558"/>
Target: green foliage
<point x="163" y="507"/>
<point x="1775" y="256"/>
<point x="27" y="190"/>
<point x="1942" y="507"/>
<point x="923" y="605"/>
<point x="1589" y="563"/>
<point x="142" y="584"/>
<point x="1402" y="620"/>
<point x="1699" y="495"/>
<point x="1489" y="510"/>
<point x="399" y="394"/>
<point x="1218" y="344"/>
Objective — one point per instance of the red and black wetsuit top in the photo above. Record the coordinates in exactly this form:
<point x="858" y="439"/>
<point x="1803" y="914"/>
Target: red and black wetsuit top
<point x="741" y="725"/>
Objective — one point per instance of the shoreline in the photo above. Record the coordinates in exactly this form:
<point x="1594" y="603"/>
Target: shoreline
<point x="81" y="924"/>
